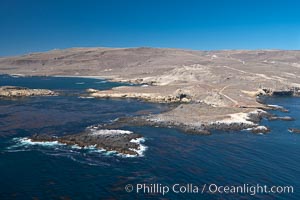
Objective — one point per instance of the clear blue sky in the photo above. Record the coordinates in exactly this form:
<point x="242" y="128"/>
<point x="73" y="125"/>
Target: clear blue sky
<point x="29" y="26"/>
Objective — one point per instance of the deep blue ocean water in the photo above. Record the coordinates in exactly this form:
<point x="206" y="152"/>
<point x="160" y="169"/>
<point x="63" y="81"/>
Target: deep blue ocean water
<point x="58" y="172"/>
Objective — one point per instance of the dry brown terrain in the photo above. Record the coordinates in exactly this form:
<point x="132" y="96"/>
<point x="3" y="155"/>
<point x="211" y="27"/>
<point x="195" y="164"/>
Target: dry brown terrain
<point x="13" y="92"/>
<point x="220" y="86"/>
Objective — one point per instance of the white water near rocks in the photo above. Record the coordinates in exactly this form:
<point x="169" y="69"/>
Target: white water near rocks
<point x="56" y="171"/>
<point x="25" y="143"/>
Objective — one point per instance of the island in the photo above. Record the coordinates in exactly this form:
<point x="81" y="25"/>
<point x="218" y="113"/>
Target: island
<point x="211" y="90"/>
<point x="15" y="92"/>
<point x="121" y="142"/>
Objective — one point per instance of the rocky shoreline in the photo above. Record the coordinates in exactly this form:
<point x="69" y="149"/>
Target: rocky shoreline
<point x="294" y="130"/>
<point x="156" y="98"/>
<point x="119" y="141"/>
<point x="291" y="91"/>
<point x="179" y="96"/>
<point x="15" y="92"/>
<point x="234" y="121"/>
<point x="251" y="124"/>
<point x="109" y="137"/>
<point x="230" y="122"/>
<point x="214" y="90"/>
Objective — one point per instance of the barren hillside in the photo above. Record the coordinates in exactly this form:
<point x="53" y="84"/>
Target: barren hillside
<point x="222" y="82"/>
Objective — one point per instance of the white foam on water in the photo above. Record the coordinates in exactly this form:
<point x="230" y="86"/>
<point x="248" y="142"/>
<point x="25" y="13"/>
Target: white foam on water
<point x="114" y="120"/>
<point x="75" y="146"/>
<point x="99" y="82"/>
<point x="23" y="144"/>
<point x="94" y="149"/>
<point x="80" y="83"/>
<point x="140" y="150"/>
<point x="26" y="141"/>
<point x="110" y="153"/>
<point x="258" y="128"/>
<point x="275" y="106"/>
<point x="14" y="151"/>
<point x="261" y="128"/>
<point x="16" y="75"/>
<point x="105" y="152"/>
<point x="138" y="140"/>
<point x="97" y="150"/>
<point x="86" y="97"/>
<point x="90" y="147"/>
<point x="109" y="131"/>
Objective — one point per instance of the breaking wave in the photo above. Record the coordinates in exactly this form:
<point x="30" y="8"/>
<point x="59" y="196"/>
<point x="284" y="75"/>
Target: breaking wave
<point x="75" y="152"/>
<point x="88" y="97"/>
<point x="109" y="132"/>
<point x="99" y="82"/>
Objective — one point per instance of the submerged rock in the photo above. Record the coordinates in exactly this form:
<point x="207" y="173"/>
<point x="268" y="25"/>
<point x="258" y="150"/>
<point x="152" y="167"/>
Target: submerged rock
<point x="14" y="91"/>
<point x="294" y="130"/>
<point x="276" y="107"/>
<point x="285" y="118"/>
<point x="121" y="141"/>
<point x="260" y="129"/>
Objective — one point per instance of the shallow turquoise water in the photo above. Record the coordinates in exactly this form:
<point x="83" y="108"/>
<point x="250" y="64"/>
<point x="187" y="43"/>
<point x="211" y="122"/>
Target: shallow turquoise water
<point x="55" y="172"/>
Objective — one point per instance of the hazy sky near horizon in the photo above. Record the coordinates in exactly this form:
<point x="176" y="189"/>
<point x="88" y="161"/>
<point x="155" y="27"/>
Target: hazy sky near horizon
<point x="34" y="25"/>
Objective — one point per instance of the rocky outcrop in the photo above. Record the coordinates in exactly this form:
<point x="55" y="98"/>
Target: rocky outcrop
<point x="13" y="91"/>
<point x="290" y="91"/>
<point x="276" y="107"/>
<point x="151" y="97"/>
<point x="234" y="122"/>
<point x="120" y="141"/>
<point x="294" y="130"/>
<point x="275" y="117"/>
<point x="260" y="130"/>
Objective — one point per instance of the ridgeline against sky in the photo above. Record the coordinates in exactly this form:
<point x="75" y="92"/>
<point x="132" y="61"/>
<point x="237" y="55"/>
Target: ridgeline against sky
<point x="28" y="26"/>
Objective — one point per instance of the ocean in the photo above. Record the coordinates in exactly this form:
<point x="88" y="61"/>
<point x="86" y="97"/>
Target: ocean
<point x="171" y="159"/>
